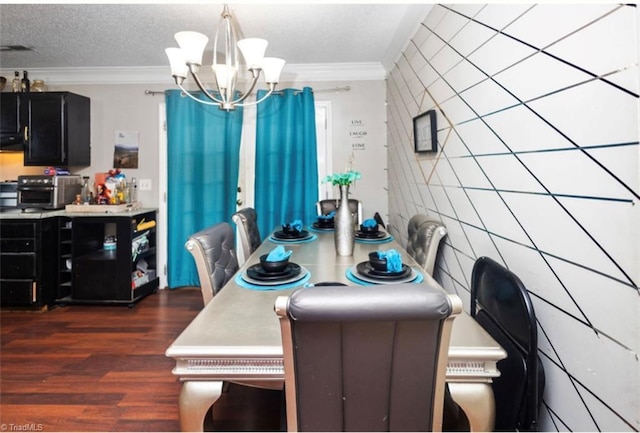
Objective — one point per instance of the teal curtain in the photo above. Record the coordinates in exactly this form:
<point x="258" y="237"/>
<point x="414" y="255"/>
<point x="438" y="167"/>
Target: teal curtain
<point x="203" y="153"/>
<point x="286" y="178"/>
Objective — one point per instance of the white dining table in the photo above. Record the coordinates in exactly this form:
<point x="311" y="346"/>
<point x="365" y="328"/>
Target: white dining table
<point x="236" y="336"/>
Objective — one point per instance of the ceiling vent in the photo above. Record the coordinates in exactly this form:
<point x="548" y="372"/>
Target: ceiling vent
<point x="15" y="48"/>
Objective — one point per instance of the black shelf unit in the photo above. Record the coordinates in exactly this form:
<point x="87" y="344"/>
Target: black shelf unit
<point x="104" y="276"/>
<point x="65" y="256"/>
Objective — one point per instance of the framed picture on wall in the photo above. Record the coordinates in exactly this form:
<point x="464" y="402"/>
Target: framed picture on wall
<point x="424" y="132"/>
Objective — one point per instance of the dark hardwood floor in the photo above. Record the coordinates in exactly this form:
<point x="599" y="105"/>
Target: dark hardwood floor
<point x="103" y="368"/>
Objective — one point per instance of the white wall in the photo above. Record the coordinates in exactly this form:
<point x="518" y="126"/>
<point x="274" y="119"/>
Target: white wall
<point x="127" y="107"/>
<point x="538" y="169"/>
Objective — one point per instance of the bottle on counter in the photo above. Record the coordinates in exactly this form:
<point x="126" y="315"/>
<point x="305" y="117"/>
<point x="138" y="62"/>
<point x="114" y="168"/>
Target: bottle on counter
<point x="126" y="191"/>
<point x="86" y="190"/>
<point x="16" y="86"/>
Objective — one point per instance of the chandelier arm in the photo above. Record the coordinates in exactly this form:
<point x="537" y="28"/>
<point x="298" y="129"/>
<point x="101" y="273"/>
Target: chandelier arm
<point x="186" y="92"/>
<point x="272" y="87"/>
<point x="244" y="95"/>
<point x="206" y="93"/>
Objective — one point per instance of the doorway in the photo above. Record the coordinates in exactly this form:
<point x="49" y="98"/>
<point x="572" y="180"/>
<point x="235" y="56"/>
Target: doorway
<point x="246" y="173"/>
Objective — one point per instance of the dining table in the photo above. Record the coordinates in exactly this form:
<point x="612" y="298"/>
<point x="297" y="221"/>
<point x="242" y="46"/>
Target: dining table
<point x="236" y="337"/>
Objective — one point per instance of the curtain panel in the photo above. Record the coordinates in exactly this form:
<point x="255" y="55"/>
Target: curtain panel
<point x="203" y="153"/>
<point x="286" y="178"/>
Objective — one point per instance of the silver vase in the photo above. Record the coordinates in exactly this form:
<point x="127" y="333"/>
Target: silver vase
<point x="345" y="234"/>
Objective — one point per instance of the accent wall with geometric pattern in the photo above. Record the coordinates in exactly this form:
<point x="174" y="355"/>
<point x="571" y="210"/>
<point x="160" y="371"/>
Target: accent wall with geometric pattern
<point x="538" y="168"/>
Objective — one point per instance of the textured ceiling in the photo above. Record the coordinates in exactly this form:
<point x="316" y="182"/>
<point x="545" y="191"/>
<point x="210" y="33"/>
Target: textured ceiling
<point x="107" y="35"/>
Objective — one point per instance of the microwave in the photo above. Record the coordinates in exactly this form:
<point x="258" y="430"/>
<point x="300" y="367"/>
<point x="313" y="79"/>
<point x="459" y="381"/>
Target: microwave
<point x="47" y="192"/>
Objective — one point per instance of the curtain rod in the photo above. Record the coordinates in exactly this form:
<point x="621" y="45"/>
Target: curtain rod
<point x="332" y="89"/>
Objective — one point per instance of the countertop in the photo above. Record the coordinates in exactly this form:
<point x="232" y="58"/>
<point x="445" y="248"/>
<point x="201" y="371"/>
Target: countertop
<point x="41" y="214"/>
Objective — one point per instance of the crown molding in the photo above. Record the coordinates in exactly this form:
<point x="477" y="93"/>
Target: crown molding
<point x="161" y="74"/>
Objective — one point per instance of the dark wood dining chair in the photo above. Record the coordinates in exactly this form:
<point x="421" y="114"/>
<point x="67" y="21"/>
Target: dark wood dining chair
<point x="247" y="222"/>
<point x="213" y="250"/>
<point x="501" y="304"/>
<point x="366" y="358"/>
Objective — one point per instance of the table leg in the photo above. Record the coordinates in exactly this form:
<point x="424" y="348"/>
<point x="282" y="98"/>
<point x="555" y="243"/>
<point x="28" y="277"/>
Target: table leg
<point x="477" y="402"/>
<point x="196" y="397"/>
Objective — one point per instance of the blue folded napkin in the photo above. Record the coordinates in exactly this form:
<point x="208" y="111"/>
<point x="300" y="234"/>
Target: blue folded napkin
<point x="296" y="225"/>
<point x="394" y="260"/>
<point x="369" y="223"/>
<point x="277" y="254"/>
<point x="328" y="216"/>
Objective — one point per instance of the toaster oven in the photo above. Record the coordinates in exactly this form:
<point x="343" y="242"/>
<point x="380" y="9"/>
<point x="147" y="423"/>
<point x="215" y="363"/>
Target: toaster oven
<point x="47" y="192"/>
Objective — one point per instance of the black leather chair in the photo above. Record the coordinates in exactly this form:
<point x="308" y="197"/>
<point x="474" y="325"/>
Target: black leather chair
<point x="366" y="358"/>
<point x="247" y="221"/>
<point x="423" y="242"/>
<point x="213" y="250"/>
<point x="501" y="304"/>
<point x="324" y="207"/>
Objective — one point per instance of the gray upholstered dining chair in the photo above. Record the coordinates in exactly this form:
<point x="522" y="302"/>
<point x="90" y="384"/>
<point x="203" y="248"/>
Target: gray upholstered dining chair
<point x="247" y="222"/>
<point x="213" y="250"/>
<point x="366" y="358"/>
<point x="424" y="237"/>
<point x="323" y="207"/>
<point x="414" y="223"/>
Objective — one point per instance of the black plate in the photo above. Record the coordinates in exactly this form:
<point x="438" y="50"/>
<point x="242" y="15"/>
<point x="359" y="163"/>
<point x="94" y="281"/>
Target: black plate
<point x="282" y="235"/>
<point x="367" y="270"/>
<point x="323" y="227"/>
<point x="376" y="235"/>
<point x="258" y="273"/>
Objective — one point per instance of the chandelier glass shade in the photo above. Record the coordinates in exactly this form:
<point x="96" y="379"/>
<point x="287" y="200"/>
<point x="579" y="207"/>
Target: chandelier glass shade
<point x="187" y="60"/>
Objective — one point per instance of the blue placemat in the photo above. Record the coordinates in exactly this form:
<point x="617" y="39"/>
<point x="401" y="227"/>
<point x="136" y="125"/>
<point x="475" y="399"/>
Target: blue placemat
<point x="375" y="241"/>
<point x="283" y="242"/>
<point x="418" y="279"/>
<point x="242" y="283"/>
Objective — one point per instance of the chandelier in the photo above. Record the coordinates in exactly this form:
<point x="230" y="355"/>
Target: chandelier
<point x="188" y="58"/>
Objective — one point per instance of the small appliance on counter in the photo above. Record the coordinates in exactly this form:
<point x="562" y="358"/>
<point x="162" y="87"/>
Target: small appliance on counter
<point x="47" y="192"/>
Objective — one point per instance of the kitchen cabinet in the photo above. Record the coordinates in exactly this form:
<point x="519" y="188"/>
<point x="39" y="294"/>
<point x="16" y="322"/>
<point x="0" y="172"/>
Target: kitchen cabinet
<point x="28" y="263"/>
<point x="122" y="272"/>
<point x="11" y="137"/>
<point x="57" y="129"/>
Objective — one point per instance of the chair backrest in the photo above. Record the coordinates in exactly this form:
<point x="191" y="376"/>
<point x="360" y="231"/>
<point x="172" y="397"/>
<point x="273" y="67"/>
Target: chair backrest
<point x="414" y="223"/>
<point x="247" y="222"/>
<point x="424" y="240"/>
<point x="501" y="304"/>
<point x="213" y="250"/>
<point x="323" y="207"/>
<point x="366" y="358"/>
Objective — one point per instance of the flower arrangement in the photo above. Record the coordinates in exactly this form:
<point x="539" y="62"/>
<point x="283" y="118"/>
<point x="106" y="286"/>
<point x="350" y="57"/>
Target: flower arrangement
<point x="346" y="178"/>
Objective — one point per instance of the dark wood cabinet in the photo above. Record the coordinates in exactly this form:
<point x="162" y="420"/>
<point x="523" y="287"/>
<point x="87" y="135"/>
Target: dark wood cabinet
<point x="11" y="132"/>
<point x="57" y="129"/>
<point x="28" y="263"/>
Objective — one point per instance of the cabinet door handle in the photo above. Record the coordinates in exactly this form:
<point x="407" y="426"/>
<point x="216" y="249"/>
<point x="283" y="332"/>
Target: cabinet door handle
<point x="33" y="292"/>
<point x="26" y="133"/>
